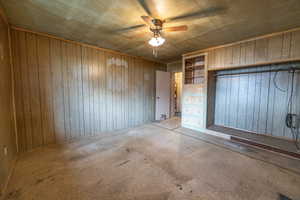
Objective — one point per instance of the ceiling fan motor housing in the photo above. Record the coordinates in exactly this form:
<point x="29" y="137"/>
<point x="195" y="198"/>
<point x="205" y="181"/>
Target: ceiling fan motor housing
<point x="157" y="22"/>
<point x="158" y="25"/>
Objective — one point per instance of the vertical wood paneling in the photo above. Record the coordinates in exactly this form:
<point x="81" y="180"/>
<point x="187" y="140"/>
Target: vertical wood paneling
<point x="33" y="73"/>
<point x="109" y="96"/>
<point x="250" y="52"/>
<point x="135" y="94"/>
<point x="7" y="115"/>
<point x="234" y="93"/>
<point x="271" y="105"/>
<point x="280" y="102"/>
<point x="58" y="92"/>
<point x="220" y="57"/>
<point x="295" y="43"/>
<point x="257" y="96"/>
<point x="86" y="92"/>
<point x="20" y="118"/>
<point x="251" y="102"/>
<point x="242" y="101"/>
<point x="66" y="91"/>
<point x="97" y="97"/>
<point x="261" y="50"/>
<point x="227" y="99"/>
<point x="25" y="87"/>
<point x="276" y="48"/>
<point x="93" y="87"/>
<point x="243" y="58"/>
<point x="73" y="101"/>
<point x="236" y="54"/>
<point x="264" y="100"/>
<point x="220" y="101"/>
<point x="130" y="91"/>
<point x="286" y="46"/>
<point x="211" y="58"/>
<point x="79" y="83"/>
<point x="228" y="57"/>
<point x="45" y="75"/>
<point x="100" y="93"/>
<point x="139" y="91"/>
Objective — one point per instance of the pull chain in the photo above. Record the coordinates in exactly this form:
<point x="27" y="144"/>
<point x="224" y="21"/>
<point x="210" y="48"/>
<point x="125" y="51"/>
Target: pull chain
<point x="155" y="52"/>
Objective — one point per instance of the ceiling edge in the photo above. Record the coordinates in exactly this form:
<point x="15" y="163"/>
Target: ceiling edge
<point x="241" y="41"/>
<point x="81" y="43"/>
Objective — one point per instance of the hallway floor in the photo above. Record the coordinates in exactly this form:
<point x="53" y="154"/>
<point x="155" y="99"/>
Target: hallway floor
<point x="148" y="163"/>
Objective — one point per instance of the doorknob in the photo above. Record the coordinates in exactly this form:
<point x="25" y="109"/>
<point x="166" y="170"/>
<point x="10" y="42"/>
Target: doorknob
<point x="157" y="97"/>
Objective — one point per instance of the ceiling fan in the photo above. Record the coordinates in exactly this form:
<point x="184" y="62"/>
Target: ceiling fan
<point x="157" y="25"/>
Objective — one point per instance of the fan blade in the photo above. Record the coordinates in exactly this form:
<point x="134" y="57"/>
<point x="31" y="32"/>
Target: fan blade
<point x="149" y="8"/>
<point x="147" y="20"/>
<point x="198" y="14"/>
<point x="175" y="28"/>
<point x="131" y="28"/>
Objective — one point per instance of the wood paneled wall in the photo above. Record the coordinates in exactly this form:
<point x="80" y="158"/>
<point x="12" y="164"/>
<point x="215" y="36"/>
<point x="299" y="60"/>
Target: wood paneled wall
<point x="273" y="49"/>
<point x="252" y="102"/>
<point x="66" y="90"/>
<point x="7" y="126"/>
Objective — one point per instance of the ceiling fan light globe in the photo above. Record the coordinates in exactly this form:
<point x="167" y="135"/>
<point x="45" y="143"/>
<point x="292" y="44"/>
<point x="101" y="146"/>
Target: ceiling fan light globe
<point x="157" y="41"/>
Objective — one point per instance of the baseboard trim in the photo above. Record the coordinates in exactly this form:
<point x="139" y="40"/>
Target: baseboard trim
<point x="266" y="147"/>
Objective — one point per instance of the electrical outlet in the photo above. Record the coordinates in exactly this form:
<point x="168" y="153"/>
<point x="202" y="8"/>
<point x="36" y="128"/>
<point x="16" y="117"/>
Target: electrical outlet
<point x="5" y="151"/>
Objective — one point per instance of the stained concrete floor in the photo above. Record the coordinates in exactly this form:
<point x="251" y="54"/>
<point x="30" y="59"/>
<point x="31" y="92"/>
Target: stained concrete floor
<point x="147" y="163"/>
<point x="172" y="123"/>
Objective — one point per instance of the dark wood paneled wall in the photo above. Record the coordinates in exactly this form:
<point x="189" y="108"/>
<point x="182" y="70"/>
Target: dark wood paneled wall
<point x="270" y="49"/>
<point x="252" y="102"/>
<point x="66" y="90"/>
<point x="7" y="126"/>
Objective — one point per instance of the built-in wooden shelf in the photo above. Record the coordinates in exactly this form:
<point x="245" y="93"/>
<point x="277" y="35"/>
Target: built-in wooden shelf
<point x="194" y="70"/>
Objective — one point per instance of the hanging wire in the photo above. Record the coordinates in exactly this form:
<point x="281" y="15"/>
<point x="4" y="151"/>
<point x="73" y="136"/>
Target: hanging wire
<point x="275" y="83"/>
<point x="289" y="119"/>
<point x="290" y="115"/>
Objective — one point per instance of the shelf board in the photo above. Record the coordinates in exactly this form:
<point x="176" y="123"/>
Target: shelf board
<point x="194" y="77"/>
<point x="194" y="66"/>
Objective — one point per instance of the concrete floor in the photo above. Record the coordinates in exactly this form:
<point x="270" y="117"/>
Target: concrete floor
<point x="172" y="123"/>
<point x="147" y="163"/>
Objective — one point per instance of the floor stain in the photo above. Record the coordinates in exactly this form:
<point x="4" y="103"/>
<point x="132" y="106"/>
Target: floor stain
<point x="283" y="197"/>
<point x="123" y="163"/>
<point x="151" y="165"/>
<point x="15" y="194"/>
<point x="78" y="157"/>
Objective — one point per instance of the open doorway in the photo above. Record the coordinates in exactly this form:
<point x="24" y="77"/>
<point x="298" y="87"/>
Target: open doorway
<point x="175" y="68"/>
<point x="176" y="94"/>
<point x="170" y="87"/>
<point x="168" y="99"/>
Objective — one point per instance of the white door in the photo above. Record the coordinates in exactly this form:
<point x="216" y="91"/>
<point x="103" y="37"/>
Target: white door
<point x="162" y="108"/>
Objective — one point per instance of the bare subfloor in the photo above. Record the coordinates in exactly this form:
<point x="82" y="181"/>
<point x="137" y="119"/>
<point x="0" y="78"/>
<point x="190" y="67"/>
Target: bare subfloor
<point x="147" y="163"/>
